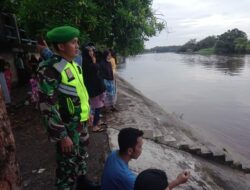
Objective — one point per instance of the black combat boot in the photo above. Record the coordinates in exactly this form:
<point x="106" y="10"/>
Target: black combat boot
<point x="83" y="183"/>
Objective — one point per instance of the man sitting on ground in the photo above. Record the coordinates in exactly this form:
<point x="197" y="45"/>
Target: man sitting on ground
<point x="154" y="179"/>
<point x="116" y="174"/>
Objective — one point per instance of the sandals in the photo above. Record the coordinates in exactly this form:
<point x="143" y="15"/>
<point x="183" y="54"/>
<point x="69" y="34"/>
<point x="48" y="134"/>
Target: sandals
<point x="103" y="124"/>
<point x="98" y="130"/>
<point x="114" y="109"/>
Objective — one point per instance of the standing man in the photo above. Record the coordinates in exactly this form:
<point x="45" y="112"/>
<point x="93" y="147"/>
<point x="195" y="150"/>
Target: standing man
<point x="64" y="104"/>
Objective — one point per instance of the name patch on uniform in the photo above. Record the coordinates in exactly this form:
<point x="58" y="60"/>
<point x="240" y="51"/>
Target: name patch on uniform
<point x="69" y="74"/>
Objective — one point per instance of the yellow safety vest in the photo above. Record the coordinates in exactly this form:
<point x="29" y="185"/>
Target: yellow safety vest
<point x="72" y="84"/>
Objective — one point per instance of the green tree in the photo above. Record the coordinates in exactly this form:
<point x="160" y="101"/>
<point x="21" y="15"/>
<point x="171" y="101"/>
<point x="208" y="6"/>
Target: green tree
<point x="120" y="24"/>
<point x="37" y="16"/>
<point x="10" y="6"/>
<point x="207" y="42"/>
<point x="227" y="41"/>
<point x="240" y="45"/>
<point x="248" y="47"/>
<point x="160" y="49"/>
<point x="133" y="22"/>
<point x="189" y="46"/>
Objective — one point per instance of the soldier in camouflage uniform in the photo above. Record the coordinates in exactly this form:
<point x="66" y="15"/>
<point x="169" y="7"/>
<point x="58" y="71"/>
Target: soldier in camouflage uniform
<point x="64" y="104"/>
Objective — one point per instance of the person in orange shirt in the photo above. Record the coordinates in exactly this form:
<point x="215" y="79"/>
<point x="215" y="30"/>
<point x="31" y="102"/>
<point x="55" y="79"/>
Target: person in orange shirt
<point x="114" y="65"/>
<point x="113" y="61"/>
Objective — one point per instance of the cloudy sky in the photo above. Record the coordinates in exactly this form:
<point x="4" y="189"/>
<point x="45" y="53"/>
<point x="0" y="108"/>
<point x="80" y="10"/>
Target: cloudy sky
<point x="187" y="19"/>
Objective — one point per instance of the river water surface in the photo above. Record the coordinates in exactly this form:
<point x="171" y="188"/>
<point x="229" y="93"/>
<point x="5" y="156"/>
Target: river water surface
<point x="209" y="92"/>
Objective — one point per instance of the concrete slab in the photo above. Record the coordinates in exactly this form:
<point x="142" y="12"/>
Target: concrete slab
<point x="205" y="175"/>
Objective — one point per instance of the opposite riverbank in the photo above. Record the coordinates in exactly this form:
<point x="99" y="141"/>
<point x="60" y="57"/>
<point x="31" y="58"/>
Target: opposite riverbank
<point x="169" y="145"/>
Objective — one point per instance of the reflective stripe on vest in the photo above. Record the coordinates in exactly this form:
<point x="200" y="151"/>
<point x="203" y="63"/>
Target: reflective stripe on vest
<point x="72" y="84"/>
<point x="67" y="90"/>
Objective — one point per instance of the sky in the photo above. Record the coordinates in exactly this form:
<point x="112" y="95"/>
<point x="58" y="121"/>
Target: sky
<point x="197" y="19"/>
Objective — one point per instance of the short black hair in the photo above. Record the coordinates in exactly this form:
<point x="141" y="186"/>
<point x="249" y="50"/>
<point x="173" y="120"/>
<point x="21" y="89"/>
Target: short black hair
<point x="151" y="179"/>
<point x="127" y="138"/>
<point x="87" y="46"/>
<point x="106" y="53"/>
<point x="55" y="45"/>
<point x="2" y="63"/>
<point x="112" y="52"/>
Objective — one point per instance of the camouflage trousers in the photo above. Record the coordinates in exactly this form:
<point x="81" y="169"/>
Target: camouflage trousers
<point x="74" y="164"/>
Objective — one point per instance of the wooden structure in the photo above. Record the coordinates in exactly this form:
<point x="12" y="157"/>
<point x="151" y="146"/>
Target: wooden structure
<point x="12" y="37"/>
<point x="14" y="41"/>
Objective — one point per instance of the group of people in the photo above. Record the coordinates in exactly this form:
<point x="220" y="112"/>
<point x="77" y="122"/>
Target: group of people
<point x="73" y="87"/>
<point x="98" y="79"/>
<point x="26" y="66"/>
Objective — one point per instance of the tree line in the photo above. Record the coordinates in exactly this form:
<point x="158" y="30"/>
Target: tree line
<point x="161" y="49"/>
<point x="123" y="25"/>
<point x="233" y="41"/>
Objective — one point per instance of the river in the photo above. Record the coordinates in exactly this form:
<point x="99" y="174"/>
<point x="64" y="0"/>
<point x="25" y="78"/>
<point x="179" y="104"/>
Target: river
<point x="209" y="92"/>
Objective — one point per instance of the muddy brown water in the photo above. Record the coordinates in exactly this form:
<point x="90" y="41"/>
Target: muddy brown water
<point x="211" y="93"/>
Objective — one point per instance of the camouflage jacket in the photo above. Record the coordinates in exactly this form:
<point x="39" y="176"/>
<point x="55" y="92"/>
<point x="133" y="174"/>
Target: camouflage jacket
<point x="57" y="117"/>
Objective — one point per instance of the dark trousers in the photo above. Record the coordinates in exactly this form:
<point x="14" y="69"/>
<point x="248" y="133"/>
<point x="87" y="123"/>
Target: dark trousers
<point x="96" y="116"/>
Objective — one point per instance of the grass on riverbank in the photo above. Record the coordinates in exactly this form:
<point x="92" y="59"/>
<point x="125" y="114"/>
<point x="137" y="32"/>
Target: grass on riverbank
<point x="206" y="51"/>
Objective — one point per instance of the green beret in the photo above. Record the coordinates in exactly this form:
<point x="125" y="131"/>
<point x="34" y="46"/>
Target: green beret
<point x="62" y="34"/>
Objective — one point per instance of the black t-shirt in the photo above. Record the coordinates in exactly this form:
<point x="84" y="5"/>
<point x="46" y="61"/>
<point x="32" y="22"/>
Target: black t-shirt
<point x="1" y="67"/>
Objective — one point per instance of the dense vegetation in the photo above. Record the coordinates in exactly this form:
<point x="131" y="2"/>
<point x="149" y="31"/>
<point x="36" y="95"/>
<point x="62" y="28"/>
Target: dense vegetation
<point x="231" y="42"/>
<point x="120" y="24"/>
<point x="160" y="49"/>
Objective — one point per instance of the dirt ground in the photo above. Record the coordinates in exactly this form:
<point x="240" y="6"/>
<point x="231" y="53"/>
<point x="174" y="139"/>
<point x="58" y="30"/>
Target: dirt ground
<point x="36" y="155"/>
